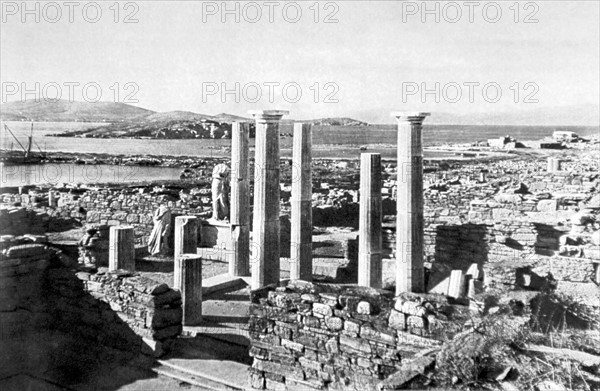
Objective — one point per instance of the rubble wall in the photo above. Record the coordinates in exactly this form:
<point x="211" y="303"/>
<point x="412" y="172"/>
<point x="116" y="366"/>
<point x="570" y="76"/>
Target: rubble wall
<point x="542" y="224"/>
<point x="42" y="294"/>
<point x="331" y="337"/>
<point x="103" y="207"/>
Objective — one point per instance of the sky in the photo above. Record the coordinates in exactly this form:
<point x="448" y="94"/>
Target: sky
<point x="361" y="59"/>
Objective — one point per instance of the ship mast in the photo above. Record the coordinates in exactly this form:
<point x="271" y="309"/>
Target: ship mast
<point x="16" y="139"/>
<point x="30" y="142"/>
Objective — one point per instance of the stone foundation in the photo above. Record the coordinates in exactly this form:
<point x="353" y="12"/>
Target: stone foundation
<point x="44" y="296"/>
<point x="331" y="337"/>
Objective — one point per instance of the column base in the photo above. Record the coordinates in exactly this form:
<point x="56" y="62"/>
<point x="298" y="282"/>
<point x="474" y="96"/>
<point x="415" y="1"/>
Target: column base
<point x="216" y="234"/>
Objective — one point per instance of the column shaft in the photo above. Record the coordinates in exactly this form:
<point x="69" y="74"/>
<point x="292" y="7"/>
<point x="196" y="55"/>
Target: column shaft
<point x="409" y="217"/>
<point x="121" y="250"/>
<point x="370" y="214"/>
<point x="51" y="199"/>
<point x="188" y="280"/>
<point x="265" y="225"/>
<point x="301" y="203"/>
<point x="186" y="235"/>
<point x="239" y="264"/>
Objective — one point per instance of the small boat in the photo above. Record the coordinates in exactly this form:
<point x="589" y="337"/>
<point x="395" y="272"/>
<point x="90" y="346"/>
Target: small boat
<point x="11" y="157"/>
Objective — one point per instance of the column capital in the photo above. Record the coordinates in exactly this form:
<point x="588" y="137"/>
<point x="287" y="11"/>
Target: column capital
<point x="268" y="115"/>
<point x="410" y="116"/>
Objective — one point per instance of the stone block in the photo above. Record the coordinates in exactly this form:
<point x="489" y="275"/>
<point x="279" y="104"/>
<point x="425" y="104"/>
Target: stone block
<point x="332" y="346"/>
<point x="164" y="317"/>
<point x="355" y="344"/>
<point x="286" y="343"/>
<point x="274" y="385"/>
<point x="311" y="321"/>
<point x="310" y="364"/>
<point x="334" y="323"/>
<point x="256" y="381"/>
<point x="352" y="326"/>
<point x="363" y="308"/>
<point x="322" y="309"/>
<point x="397" y="320"/>
<point x="547" y="206"/>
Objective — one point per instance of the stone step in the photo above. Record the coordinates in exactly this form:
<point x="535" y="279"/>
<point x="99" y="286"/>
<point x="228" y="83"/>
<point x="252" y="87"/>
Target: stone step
<point x="223" y="282"/>
<point x="206" y="377"/>
<point x="198" y="382"/>
<point x="227" y="332"/>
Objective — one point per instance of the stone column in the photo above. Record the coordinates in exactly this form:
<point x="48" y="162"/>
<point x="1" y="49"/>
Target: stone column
<point x="121" y="248"/>
<point x="186" y="235"/>
<point x="188" y="280"/>
<point x="370" y="214"/>
<point x="239" y="263"/>
<point x="265" y="224"/>
<point x="409" y="217"/>
<point x="301" y="203"/>
<point x="550" y="167"/>
<point x="51" y="199"/>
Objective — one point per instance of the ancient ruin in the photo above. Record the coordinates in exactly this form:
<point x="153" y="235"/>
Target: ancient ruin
<point x="265" y="225"/>
<point x="409" y="204"/>
<point x="440" y="264"/>
<point x="301" y="205"/>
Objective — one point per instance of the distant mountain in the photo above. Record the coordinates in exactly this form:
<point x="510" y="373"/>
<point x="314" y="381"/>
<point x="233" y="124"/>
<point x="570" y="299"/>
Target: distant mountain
<point x="66" y="111"/>
<point x="336" y="121"/>
<point x="171" y="125"/>
<point x="224" y="117"/>
<point x="177" y="116"/>
<point x="572" y="115"/>
<point x="332" y="121"/>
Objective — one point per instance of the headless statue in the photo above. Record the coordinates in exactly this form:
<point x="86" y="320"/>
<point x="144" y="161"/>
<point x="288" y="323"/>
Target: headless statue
<point x="220" y="192"/>
<point x="158" y="236"/>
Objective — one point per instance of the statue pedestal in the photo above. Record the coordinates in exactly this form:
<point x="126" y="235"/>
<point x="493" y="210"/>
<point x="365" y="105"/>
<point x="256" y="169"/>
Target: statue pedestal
<point x="215" y="234"/>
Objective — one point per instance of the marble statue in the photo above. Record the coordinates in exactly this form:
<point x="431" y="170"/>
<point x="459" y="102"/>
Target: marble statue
<point x="158" y="236"/>
<point x="220" y="192"/>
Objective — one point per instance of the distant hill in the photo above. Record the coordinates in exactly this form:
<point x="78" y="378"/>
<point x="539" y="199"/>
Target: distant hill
<point x="224" y="117"/>
<point x="160" y="126"/>
<point x="570" y="115"/>
<point x="66" y="111"/>
<point x="333" y="121"/>
<point x="337" y="121"/>
<point x="177" y="116"/>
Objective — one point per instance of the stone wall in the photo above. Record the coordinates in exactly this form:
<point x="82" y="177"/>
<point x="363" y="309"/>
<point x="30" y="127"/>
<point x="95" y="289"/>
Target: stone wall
<point x="43" y="293"/>
<point x="319" y="336"/>
<point x="151" y="310"/>
<point x="24" y="314"/>
<point x="17" y="220"/>
<point x="518" y="220"/>
<point x="131" y="206"/>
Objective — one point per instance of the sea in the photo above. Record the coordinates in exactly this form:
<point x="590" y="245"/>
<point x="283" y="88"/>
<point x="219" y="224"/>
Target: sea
<point x="328" y="141"/>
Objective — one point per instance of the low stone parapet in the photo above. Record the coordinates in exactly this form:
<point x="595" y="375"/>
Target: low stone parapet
<point x="152" y="310"/>
<point x="321" y="336"/>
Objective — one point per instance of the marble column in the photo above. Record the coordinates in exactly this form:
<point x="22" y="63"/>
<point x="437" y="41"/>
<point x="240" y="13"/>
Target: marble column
<point x="188" y="280"/>
<point x="370" y="214"/>
<point x="550" y="166"/>
<point x="301" y="203"/>
<point x="409" y="218"/>
<point x="121" y="248"/>
<point x="186" y="235"/>
<point x="51" y="199"/>
<point x="239" y="263"/>
<point x="265" y="223"/>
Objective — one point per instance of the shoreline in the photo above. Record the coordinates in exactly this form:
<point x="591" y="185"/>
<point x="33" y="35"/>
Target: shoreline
<point x="450" y="152"/>
<point x="194" y="168"/>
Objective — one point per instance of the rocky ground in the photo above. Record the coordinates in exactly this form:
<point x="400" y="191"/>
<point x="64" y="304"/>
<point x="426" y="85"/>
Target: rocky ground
<point x="540" y="334"/>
